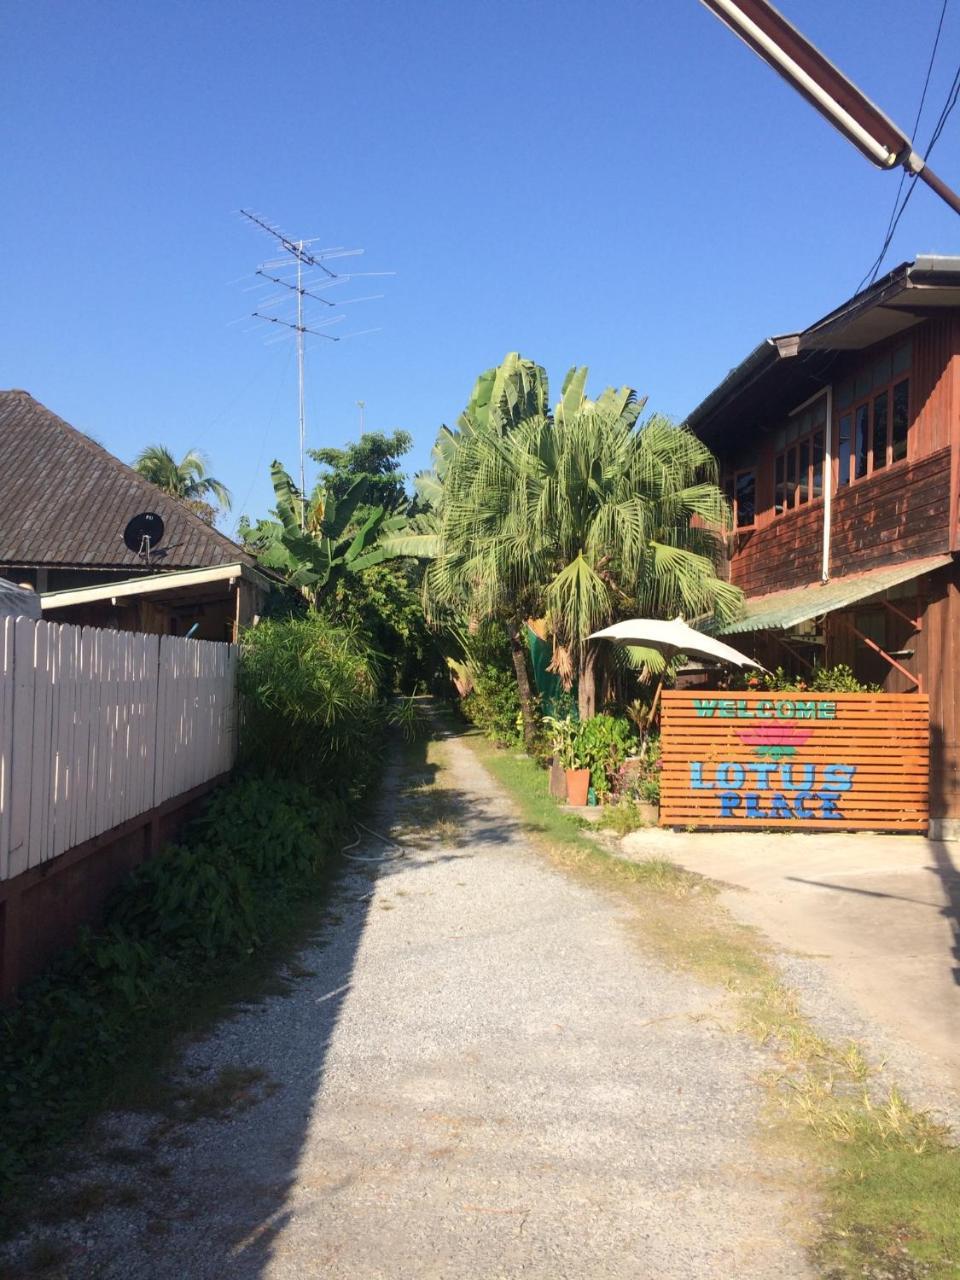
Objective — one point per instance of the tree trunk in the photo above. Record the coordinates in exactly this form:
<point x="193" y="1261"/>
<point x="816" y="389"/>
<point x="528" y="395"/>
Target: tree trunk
<point x="519" y="656"/>
<point x="587" y="682"/>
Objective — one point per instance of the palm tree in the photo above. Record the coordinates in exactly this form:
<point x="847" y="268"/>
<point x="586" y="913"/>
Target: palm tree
<point x="187" y="479"/>
<point x="581" y="518"/>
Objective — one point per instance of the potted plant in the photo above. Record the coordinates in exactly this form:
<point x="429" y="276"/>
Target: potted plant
<point x="603" y="743"/>
<point x="564" y="741"/>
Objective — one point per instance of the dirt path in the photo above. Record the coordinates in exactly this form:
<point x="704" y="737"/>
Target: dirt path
<point x="476" y="1074"/>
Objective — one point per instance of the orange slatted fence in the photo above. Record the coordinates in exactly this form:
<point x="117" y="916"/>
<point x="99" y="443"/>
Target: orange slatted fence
<point x="807" y="761"/>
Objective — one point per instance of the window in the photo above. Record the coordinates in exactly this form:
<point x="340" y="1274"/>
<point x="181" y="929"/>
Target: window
<point x="874" y="415"/>
<point x="798" y="467"/>
<point x="742" y="496"/>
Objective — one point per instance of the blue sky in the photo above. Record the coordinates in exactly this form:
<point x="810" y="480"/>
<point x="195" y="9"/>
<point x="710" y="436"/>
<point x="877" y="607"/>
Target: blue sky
<point x="621" y="185"/>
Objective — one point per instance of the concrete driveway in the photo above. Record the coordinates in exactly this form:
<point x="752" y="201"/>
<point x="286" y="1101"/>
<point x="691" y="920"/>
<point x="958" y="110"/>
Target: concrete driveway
<point x="878" y="914"/>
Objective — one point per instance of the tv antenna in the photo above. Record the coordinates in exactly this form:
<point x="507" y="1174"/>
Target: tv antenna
<point x="311" y="278"/>
<point x="143" y="534"/>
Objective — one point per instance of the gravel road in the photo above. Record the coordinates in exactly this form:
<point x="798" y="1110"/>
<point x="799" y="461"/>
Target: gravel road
<point x="476" y="1074"/>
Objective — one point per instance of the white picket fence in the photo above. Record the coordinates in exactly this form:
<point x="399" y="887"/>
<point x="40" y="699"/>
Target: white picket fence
<point x="97" y="727"/>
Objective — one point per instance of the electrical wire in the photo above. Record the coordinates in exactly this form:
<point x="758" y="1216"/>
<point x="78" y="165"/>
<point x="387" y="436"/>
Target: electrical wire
<point x="896" y="214"/>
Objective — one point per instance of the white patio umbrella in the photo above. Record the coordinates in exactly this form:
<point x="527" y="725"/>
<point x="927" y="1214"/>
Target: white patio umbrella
<point x="671" y="638"/>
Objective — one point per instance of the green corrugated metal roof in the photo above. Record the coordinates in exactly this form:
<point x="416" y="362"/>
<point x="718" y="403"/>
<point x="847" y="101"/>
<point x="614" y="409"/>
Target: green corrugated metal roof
<point x="783" y="609"/>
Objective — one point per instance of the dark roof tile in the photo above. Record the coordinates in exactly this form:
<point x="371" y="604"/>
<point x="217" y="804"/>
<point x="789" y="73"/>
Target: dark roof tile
<point x="64" y="500"/>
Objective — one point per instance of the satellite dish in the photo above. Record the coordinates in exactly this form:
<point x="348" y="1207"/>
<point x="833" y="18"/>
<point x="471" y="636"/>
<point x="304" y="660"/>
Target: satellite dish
<point x="143" y="533"/>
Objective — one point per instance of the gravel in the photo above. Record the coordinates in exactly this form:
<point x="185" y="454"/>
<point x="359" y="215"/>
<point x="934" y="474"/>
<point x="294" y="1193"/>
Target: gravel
<point x="478" y="1076"/>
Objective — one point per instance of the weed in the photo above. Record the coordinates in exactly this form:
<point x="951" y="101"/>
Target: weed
<point x="623" y="818"/>
<point x="233" y="1089"/>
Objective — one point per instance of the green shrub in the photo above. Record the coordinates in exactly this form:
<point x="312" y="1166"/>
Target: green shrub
<point x="603" y="743"/>
<point x="838" y="679"/>
<point x="309" y="698"/>
<point x="173" y="923"/>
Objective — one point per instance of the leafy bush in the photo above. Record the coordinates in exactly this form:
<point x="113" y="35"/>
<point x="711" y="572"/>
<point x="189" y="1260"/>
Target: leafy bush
<point x="838" y="679"/>
<point x="491" y="700"/>
<point x="600" y="744"/>
<point x="603" y="743"/>
<point x="384" y="603"/>
<point x="623" y="818"/>
<point x="309" y="701"/>
<point x="638" y="778"/>
<point x="177" y="918"/>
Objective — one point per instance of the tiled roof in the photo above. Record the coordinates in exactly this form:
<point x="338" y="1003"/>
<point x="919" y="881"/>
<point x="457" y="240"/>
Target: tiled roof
<point x="64" y="500"/>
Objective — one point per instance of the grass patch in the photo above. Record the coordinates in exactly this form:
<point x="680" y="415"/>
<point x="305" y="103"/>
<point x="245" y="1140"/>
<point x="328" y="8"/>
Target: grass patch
<point x="890" y="1179"/>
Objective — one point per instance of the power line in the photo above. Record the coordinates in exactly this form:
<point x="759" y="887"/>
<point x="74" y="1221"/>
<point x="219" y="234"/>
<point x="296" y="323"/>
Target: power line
<point x="897" y="213"/>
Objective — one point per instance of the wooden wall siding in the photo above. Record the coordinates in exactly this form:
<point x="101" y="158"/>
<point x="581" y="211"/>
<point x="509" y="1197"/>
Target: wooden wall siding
<point x="933" y="376"/>
<point x="795" y="761"/>
<point x="936" y="659"/>
<point x="900" y="514"/>
<point x="97" y="727"/>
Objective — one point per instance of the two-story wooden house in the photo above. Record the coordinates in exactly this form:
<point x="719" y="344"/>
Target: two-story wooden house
<point x="840" y="450"/>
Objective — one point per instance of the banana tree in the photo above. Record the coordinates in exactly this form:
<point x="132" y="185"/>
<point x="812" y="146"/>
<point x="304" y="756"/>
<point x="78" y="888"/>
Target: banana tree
<point x="333" y="539"/>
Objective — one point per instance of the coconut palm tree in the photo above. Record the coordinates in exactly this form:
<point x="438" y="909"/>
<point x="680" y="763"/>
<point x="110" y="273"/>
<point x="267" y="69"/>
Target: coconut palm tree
<point x="187" y="479"/>
<point x="581" y="517"/>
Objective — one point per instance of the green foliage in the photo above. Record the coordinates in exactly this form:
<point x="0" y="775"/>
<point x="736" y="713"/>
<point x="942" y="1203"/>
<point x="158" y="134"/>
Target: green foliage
<point x="603" y="743"/>
<point x="385" y="604"/>
<point x="580" y="517"/>
<point x="194" y="908"/>
<point x="486" y="681"/>
<point x="624" y="817"/>
<point x="493" y="705"/>
<point x="309" y="701"/>
<point x="314" y="541"/>
<point x="838" y="679"/>
<point x="187" y="479"/>
<point x="600" y="744"/>
<point x="373" y="458"/>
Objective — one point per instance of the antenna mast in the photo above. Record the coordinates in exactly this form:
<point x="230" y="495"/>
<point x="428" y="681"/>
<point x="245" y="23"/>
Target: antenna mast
<point x="303" y="434"/>
<point x="314" y="260"/>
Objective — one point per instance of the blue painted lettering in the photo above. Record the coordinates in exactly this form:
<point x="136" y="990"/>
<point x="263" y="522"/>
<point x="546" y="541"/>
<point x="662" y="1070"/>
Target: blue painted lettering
<point x="798" y="808"/>
<point x="761" y="773"/>
<point x="797" y="777"/>
<point x="839" y="777"/>
<point x="779" y="807"/>
<point x="705" y="706"/>
<point x="753" y="805"/>
<point x="729" y="804"/>
<point x="696" y="777"/>
<point x="829" y="803"/>
<point x="826" y="711"/>
<point x="731" y="774"/>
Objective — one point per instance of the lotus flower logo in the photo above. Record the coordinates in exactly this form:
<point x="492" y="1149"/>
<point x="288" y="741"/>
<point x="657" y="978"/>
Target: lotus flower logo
<point x="774" y="741"/>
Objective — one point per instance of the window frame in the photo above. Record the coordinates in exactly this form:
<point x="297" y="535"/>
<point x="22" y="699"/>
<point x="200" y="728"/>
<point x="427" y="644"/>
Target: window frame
<point x="853" y="412"/>
<point x="733" y="480"/>
<point x="803" y="478"/>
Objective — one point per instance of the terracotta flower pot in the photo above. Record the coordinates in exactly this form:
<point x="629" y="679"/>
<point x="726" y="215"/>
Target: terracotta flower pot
<point x="578" y="784"/>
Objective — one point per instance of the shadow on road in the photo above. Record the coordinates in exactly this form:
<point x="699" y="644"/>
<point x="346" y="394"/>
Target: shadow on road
<point x="202" y="1189"/>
